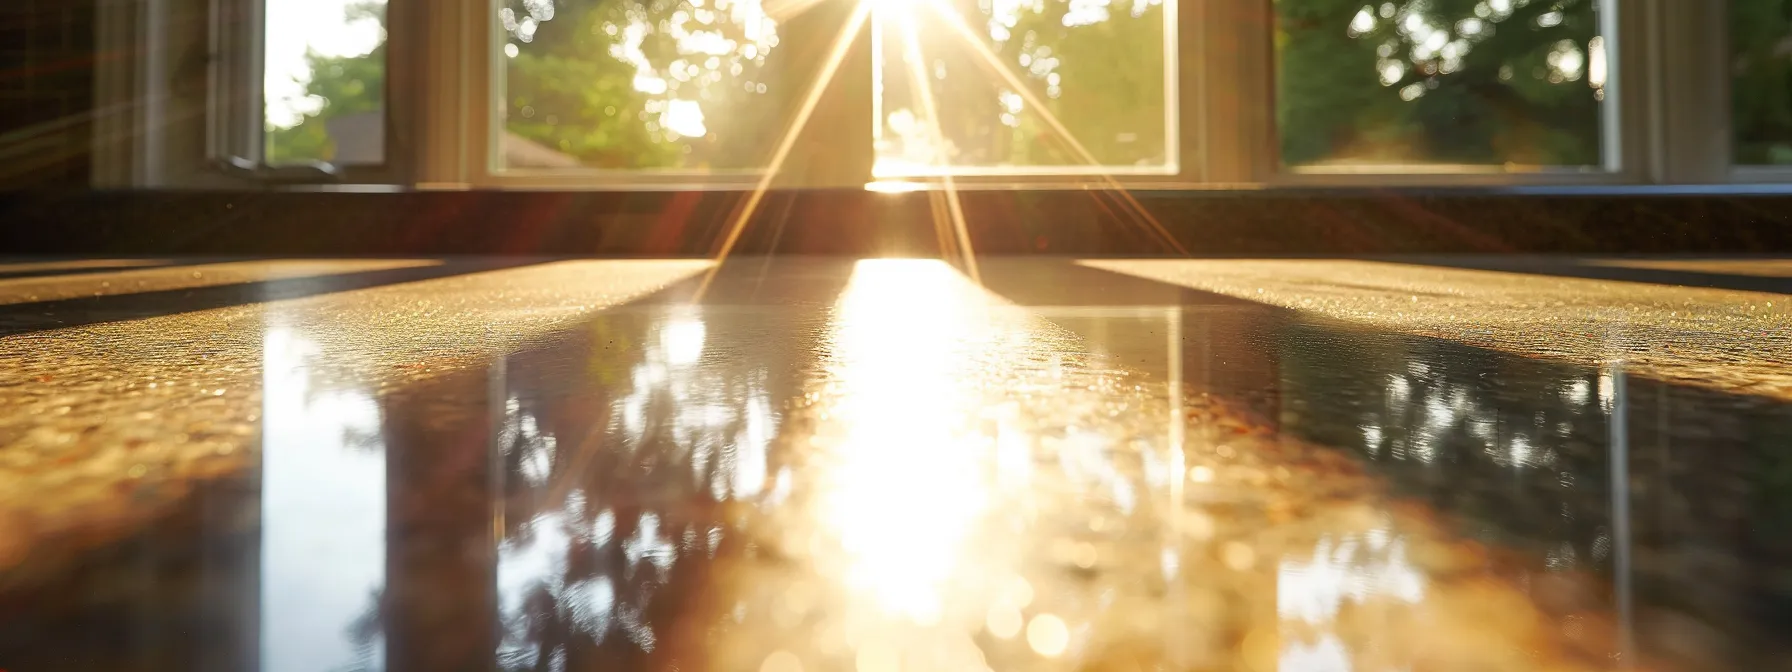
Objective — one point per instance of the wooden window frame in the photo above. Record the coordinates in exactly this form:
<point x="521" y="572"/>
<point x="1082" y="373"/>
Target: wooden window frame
<point x="1669" y="123"/>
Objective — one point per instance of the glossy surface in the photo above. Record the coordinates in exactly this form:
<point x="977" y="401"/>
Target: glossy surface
<point x="879" y="465"/>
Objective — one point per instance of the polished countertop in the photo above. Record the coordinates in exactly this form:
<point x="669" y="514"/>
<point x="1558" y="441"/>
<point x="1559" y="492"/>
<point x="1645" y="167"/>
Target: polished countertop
<point x="786" y="464"/>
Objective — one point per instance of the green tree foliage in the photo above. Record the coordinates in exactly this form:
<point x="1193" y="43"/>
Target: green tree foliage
<point x="598" y="80"/>
<point x="344" y="85"/>
<point x="1761" y="45"/>
<point x="1457" y="81"/>
<point x="1098" y="68"/>
<point x="1452" y="81"/>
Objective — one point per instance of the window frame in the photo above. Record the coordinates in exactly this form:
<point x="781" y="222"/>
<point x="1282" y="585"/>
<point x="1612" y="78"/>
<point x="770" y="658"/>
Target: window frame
<point x="186" y="112"/>
<point x="237" y="101"/>
<point x="1625" y="26"/>
<point x="1669" y="123"/>
<point x="476" y="25"/>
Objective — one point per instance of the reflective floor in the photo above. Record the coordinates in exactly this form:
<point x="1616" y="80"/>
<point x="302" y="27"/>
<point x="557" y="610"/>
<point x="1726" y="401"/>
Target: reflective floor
<point x="879" y="465"/>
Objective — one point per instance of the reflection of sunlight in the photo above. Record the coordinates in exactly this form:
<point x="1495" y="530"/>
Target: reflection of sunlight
<point x="724" y="420"/>
<point x="682" y="337"/>
<point x="1356" y="568"/>
<point x="1325" y="655"/>
<point x="536" y="561"/>
<point x="1360" y="569"/>
<point x="680" y="422"/>
<point x="323" y="515"/>
<point x="900" y="420"/>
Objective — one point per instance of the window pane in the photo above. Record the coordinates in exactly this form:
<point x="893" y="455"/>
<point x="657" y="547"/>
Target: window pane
<point x="1094" y="67"/>
<point x="325" y="81"/>
<point x="660" y="84"/>
<point x="1515" y="82"/>
<point x="1761" y="91"/>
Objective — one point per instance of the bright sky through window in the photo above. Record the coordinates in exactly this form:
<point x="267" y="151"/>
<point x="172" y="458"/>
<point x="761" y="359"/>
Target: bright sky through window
<point x="293" y="26"/>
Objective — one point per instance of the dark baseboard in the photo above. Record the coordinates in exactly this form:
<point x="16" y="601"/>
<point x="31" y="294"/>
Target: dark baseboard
<point x="842" y="222"/>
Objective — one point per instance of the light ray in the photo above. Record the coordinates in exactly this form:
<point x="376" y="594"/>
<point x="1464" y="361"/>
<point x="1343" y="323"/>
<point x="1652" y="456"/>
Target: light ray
<point x="957" y="25"/>
<point x="785" y="10"/>
<point x="911" y="47"/>
<point x="848" y="34"/>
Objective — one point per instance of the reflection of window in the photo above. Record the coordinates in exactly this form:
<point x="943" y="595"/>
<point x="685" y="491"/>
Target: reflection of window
<point x="1420" y="81"/>
<point x="323" y="515"/>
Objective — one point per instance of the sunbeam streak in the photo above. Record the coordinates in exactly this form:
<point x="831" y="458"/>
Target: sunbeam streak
<point x="911" y="52"/>
<point x="785" y="10"/>
<point x="963" y="31"/>
<point x="848" y="33"/>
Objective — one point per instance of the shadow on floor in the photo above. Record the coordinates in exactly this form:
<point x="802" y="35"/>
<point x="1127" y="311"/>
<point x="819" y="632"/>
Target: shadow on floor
<point x="22" y="318"/>
<point x="1605" y="269"/>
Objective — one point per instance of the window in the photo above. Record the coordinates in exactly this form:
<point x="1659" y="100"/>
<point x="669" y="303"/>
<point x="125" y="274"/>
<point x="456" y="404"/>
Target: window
<point x="1515" y="83"/>
<point x="1761" y="82"/>
<point x="642" y="85"/>
<point x="324" y="80"/>
<point x="710" y="85"/>
<point x="1024" y="86"/>
<point x="1143" y="93"/>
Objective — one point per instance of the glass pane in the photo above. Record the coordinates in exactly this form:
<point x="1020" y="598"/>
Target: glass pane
<point x="325" y="81"/>
<point x="1761" y="91"/>
<point x="1514" y="82"/>
<point x="1023" y="86"/>
<point x="626" y="84"/>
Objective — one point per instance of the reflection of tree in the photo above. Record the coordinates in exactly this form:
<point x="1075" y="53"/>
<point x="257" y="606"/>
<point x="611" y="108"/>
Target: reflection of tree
<point x="617" y="495"/>
<point x="1507" y="444"/>
<point x="1360" y="573"/>
<point x="365" y="633"/>
<point x="1456" y="81"/>
<point x="1516" y="452"/>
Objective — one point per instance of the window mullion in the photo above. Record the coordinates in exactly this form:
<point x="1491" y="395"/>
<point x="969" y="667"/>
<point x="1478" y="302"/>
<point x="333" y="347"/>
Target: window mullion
<point x="235" y="97"/>
<point x="448" y="88"/>
<point x="1677" y="73"/>
<point x="834" y="148"/>
<point x="1237" y="103"/>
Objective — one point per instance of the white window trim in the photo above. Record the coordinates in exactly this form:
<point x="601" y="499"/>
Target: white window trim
<point x="1669" y="123"/>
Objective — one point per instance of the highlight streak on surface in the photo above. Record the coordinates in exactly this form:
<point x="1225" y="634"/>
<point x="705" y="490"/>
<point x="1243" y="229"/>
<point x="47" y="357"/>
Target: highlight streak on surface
<point x="911" y="47"/>
<point x="961" y="472"/>
<point x="848" y="34"/>
<point x="1710" y="338"/>
<point x="785" y="10"/>
<point x="958" y="26"/>
<point x="157" y="406"/>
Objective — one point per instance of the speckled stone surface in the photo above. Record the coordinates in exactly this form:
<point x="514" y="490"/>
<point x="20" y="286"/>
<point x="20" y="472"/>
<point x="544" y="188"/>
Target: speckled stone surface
<point x="829" y="464"/>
